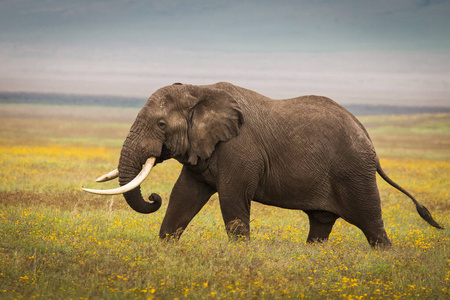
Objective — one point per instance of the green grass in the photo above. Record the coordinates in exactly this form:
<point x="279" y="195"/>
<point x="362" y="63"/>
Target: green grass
<point x="57" y="242"/>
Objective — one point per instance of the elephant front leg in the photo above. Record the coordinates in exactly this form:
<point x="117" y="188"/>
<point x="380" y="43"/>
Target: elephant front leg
<point x="236" y="215"/>
<point x="187" y="198"/>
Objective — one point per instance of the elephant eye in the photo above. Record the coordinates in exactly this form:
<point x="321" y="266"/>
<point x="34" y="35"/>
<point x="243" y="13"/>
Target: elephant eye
<point x="162" y="124"/>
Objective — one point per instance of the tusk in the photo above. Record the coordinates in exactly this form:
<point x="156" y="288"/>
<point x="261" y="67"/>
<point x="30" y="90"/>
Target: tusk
<point x="130" y="185"/>
<point x="111" y="175"/>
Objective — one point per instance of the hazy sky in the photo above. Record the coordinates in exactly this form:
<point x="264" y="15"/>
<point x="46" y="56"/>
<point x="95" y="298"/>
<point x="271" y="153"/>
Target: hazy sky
<point x="360" y="51"/>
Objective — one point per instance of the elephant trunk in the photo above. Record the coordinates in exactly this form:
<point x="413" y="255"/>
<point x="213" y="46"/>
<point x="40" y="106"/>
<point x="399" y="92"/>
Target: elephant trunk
<point x="129" y="168"/>
<point x="135" y="165"/>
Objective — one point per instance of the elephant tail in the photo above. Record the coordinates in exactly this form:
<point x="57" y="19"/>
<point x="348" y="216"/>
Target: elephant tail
<point x="422" y="210"/>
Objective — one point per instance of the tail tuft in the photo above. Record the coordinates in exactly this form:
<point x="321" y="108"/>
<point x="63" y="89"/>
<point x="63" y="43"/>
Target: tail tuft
<point x="422" y="210"/>
<point x="426" y="215"/>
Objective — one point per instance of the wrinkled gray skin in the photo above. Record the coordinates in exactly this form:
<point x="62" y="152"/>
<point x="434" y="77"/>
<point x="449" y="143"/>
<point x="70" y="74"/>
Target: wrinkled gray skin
<point x="306" y="153"/>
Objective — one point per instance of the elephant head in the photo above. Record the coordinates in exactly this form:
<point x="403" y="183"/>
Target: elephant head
<point x="184" y="122"/>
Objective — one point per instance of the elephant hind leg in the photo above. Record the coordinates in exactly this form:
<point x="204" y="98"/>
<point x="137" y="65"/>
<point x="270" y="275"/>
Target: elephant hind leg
<point x="320" y="225"/>
<point x="359" y="204"/>
<point x="376" y="234"/>
<point x="368" y="218"/>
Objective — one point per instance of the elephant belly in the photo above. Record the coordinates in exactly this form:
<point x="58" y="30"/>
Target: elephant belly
<point x="300" y="194"/>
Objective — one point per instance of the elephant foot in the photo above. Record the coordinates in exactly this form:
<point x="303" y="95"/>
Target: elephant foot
<point x="237" y="230"/>
<point x="171" y="237"/>
<point x="381" y="244"/>
<point x="376" y="235"/>
<point x="310" y="240"/>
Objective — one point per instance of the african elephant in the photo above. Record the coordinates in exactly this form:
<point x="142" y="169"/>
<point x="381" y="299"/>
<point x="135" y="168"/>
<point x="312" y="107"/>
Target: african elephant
<point x="306" y="153"/>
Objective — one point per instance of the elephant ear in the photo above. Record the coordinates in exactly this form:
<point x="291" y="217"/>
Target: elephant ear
<point x="216" y="117"/>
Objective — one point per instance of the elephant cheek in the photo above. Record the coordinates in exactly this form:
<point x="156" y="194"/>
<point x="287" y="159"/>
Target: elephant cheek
<point x="177" y="145"/>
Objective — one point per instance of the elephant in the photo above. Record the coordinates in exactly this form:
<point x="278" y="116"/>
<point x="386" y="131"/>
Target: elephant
<point x="307" y="153"/>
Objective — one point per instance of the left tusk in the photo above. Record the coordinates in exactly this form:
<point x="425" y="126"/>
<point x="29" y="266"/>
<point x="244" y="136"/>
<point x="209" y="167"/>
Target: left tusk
<point x="130" y="185"/>
<point x="111" y="175"/>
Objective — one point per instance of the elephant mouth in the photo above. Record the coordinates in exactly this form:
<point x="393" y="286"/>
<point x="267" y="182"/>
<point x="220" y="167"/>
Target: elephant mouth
<point x="165" y="155"/>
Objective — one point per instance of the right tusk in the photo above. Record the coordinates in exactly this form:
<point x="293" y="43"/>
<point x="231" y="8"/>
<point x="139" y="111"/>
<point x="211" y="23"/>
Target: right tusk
<point x="130" y="185"/>
<point x="111" y="175"/>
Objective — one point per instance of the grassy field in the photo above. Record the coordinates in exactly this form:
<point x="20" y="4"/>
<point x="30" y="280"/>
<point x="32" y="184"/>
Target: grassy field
<point x="58" y="242"/>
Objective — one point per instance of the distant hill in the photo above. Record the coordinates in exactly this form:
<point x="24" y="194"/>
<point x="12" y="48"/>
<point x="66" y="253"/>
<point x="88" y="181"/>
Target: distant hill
<point x="117" y="101"/>
<point x="374" y="110"/>
<point x="72" y="100"/>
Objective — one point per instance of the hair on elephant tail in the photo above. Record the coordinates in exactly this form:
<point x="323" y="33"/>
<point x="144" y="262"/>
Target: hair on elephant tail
<point x="422" y="210"/>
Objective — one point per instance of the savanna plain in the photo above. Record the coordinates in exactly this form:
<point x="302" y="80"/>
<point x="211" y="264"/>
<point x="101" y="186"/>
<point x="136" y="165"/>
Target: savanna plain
<point x="57" y="242"/>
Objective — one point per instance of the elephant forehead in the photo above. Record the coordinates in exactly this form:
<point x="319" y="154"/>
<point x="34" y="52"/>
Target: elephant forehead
<point x="167" y="98"/>
<point x="153" y="111"/>
<point x="169" y="105"/>
<point x="157" y="100"/>
<point x="164" y="110"/>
